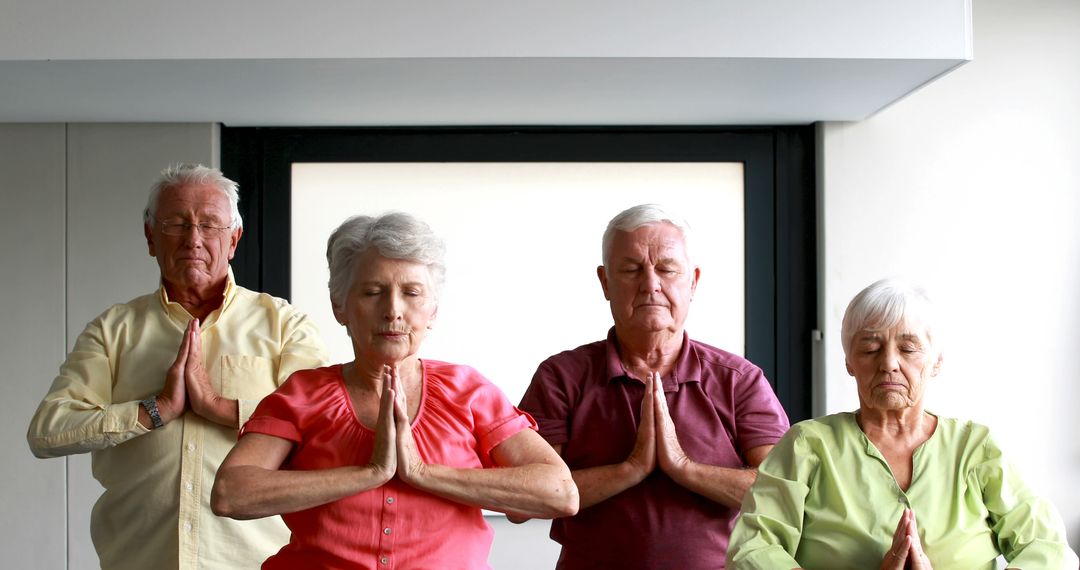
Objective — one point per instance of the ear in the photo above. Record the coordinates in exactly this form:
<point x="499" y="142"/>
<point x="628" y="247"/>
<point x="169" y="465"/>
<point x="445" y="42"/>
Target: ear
<point x="937" y="364"/>
<point x="848" y="366"/>
<point x="149" y="239"/>
<point x="339" y="313"/>
<point x="601" y="274"/>
<point x="233" y="240"/>
<point x="693" y="284"/>
<point x="431" y="321"/>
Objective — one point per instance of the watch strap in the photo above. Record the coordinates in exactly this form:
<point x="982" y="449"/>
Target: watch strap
<point x="150" y="405"/>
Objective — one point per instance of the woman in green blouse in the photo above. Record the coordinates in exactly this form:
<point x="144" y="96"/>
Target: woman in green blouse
<point x="893" y="486"/>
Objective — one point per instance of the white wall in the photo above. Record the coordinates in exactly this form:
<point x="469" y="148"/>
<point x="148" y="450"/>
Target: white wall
<point x="971" y="186"/>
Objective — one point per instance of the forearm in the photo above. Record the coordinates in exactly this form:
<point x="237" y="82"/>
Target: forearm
<point x="723" y="485"/>
<point x="598" y="484"/>
<point x="223" y="411"/>
<point x="65" y="427"/>
<point x="251" y="492"/>
<point x="534" y="491"/>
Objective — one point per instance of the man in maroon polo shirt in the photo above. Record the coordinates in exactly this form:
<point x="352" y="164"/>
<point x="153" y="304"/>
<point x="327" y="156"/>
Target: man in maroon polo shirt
<point x="662" y="433"/>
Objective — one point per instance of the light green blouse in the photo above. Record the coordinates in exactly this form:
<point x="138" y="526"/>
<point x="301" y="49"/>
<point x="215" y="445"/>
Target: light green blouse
<point x="826" y="498"/>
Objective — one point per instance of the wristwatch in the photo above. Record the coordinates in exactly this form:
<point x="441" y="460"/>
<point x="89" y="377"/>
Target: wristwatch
<point x="150" y="404"/>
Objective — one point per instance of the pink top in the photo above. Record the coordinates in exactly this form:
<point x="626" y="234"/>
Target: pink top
<point x="462" y="417"/>
<point x="721" y="405"/>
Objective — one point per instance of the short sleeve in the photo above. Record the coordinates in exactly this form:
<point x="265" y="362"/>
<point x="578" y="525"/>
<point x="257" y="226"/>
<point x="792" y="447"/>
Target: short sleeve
<point x="496" y="419"/>
<point x="768" y="532"/>
<point x="1029" y="531"/>
<point x="547" y="401"/>
<point x="278" y="414"/>
<point x="759" y="417"/>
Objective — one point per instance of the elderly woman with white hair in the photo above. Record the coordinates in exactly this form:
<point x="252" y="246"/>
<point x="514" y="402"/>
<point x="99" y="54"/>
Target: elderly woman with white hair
<point x="387" y="460"/>
<point x="893" y="485"/>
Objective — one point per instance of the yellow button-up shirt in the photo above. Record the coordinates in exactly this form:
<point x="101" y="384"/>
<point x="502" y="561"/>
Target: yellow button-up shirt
<point x="155" y="510"/>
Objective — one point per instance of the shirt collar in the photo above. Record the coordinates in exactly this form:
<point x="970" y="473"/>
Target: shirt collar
<point x="687" y="365"/>
<point x="177" y="311"/>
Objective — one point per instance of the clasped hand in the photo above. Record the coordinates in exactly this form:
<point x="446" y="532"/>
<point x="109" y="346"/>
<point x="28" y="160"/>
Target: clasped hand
<point x="906" y="551"/>
<point x="395" y="450"/>
<point x="657" y="443"/>
<point x="187" y="385"/>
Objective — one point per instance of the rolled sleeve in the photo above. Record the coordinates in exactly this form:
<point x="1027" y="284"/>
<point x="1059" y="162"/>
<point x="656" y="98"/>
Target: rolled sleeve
<point x="767" y="533"/>
<point x="78" y="415"/>
<point x="1029" y="531"/>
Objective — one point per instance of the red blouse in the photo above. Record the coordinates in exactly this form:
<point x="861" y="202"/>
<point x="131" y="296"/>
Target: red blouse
<point x="462" y="417"/>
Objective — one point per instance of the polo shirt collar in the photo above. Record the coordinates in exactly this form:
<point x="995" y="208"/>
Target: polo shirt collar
<point x="687" y="365"/>
<point x="177" y="312"/>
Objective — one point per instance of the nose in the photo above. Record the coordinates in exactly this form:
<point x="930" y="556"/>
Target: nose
<point x="192" y="236"/>
<point x="393" y="308"/>
<point x="890" y="359"/>
<point x="650" y="281"/>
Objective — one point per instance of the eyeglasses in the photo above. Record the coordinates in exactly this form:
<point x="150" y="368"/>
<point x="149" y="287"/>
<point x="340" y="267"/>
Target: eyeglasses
<point x="182" y="229"/>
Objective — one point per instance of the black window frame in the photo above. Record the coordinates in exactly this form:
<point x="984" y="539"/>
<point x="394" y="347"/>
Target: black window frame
<point x="779" y="206"/>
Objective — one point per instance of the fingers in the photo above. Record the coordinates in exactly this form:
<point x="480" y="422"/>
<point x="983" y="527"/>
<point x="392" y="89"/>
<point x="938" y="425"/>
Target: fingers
<point x="182" y="353"/>
<point x="194" y="338"/>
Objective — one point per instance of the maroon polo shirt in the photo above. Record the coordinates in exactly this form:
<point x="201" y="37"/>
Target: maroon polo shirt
<point x="721" y="405"/>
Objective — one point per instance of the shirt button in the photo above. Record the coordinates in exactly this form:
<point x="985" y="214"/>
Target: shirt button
<point x="191" y="447"/>
<point x="386" y="530"/>
<point x="189" y="486"/>
<point x="384" y="560"/>
<point x="389" y="500"/>
<point x="187" y="527"/>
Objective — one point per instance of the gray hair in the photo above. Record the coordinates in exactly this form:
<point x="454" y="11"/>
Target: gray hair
<point x="638" y="216"/>
<point x="176" y="175"/>
<point x="395" y="235"/>
<point x="883" y="305"/>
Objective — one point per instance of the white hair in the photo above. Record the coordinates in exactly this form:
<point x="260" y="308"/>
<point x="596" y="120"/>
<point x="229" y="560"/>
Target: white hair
<point x="638" y="216"/>
<point x="885" y="304"/>
<point x="395" y="235"/>
<point x="177" y="175"/>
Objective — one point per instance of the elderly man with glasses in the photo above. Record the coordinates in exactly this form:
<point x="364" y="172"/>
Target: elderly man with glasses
<point x="156" y="388"/>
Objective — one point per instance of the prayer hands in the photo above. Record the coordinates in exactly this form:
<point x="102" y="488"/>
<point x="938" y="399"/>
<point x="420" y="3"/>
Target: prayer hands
<point x="201" y="396"/>
<point x="384" y="455"/>
<point x="410" y="466"/>
<point x="643" y="457"/>
<point x="657" y="443"/>
<point x="669" y="453"/>
<point x="187" y="385"/>
<point x="906" y="551"/>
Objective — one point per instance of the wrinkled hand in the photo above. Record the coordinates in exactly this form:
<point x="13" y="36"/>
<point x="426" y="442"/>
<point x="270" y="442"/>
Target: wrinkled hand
<point x="669" y="453"/>
<point x="906" y="551"/>
<point x="643" y="457"/>
<point x="410" y="466"/>
<point x="203" y="399"/>
<point x="384" y="454"/>
<point x="172" y="401"/>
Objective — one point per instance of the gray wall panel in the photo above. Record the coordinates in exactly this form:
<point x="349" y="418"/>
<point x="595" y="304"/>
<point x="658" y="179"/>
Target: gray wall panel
<point x="31" y="338"/>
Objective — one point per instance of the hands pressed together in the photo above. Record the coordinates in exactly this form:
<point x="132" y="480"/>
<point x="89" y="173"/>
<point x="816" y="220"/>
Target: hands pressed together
<point x="906" y="551"/>
<point x="657" y="443"/>
<point x="395" y="451"/>
<point x="187" y="385"/>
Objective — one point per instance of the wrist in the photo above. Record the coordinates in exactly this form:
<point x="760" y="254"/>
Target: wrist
<point x="636" y="470"/>
<point x="150" y="405"/>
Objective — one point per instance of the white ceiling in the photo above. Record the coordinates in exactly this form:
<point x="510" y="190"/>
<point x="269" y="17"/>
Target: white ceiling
<point x="476" y="62"/>
<point x="481" y="91"/>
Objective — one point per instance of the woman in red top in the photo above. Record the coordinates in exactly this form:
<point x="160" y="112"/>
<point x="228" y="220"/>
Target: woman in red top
<point x="383" y="462"/>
